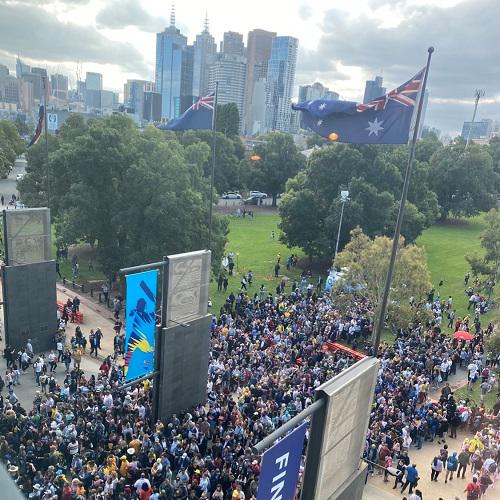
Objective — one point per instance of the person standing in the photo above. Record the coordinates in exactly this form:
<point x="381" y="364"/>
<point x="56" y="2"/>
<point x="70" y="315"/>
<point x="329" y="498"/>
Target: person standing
<point x="436" y="468"/>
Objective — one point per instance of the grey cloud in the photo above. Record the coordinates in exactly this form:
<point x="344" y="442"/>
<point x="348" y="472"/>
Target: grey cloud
<point x="305" y="12"/>
<point x="122" y="13"/>
<point x="36" y="34"/>
<point x="466" y="38"/>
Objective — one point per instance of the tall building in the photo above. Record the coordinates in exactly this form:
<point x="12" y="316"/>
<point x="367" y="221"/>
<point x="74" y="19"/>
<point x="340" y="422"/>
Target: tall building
<point x="232" y="44"/>
<point x="107" y="99"/>
<point x="258" y="53"/>
<point x="133" y="94"/>
<point x="59" y="85"/>
<point x="93" y="81"/>
<point x="21" y="68"/>
<point x="374" y="89"/>
<point x="4" y="72"/>
<point x="151" y="111"/>
<point x="230" y="72"/>
<point x="258" y="110"/>
<point x="205" y="51"/>
<point x="280" y="80"/>
<point x="478" y="130"/>
<point x="25" y="96"/>
<point x="187" y="97"/>
<point x="170" y="51"/>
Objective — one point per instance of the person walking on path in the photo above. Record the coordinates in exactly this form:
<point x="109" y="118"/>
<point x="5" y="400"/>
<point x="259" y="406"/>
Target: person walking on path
<point x="411" y="478"/>
<point x="436" y="468"/>
<point x="473" y="490"/>
<point x="463" y="462"/>
<point x="451" y="466"/>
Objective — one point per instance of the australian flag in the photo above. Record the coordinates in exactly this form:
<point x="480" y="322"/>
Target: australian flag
<point x="385" y="120"/>
<point x="198" y="116"/>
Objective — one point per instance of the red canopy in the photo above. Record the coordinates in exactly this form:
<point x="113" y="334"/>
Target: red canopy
<point x="463" y="335"/>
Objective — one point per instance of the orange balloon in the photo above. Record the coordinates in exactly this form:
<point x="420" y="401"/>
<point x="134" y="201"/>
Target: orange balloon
<point x="333" y="136"/>
<point x="255" y="157"/>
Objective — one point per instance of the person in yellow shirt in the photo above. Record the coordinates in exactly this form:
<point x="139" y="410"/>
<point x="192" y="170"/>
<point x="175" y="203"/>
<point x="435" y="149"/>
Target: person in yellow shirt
<point x="136" y="444"/>
<point x="124" y="463"/>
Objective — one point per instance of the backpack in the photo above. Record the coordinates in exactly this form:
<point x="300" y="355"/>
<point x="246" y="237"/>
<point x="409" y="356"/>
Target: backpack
<point x="474" y="494"/>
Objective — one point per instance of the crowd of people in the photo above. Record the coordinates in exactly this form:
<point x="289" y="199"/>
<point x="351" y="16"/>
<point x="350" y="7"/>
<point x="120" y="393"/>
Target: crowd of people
<point x="89" y="438"/>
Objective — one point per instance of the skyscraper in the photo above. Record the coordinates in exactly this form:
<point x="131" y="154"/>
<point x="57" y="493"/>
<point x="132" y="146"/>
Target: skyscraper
<point x="93" y="81"/>
<point x="279" y="84"/>
<point x="170" y="49"/>
<point x="232" y="44"/>
<point x="21" y="68"/>
<point x="205" y="51"/>
<point x="59" y="85"/>
<point x="133" y="94"/>
<point x="230" y="72"/>
<point x="373" y="89"/>
<point x="258" y="53"/>
<point x="187" y="67"/>
<point x="479" y="129"/>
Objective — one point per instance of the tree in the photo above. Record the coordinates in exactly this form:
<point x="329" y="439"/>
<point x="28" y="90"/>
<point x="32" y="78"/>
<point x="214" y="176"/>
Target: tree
<point x="228" y="119"/>
<point x="465" y="181"/>
<point x="134" y="196"/>
<point x="488" y="266"/>
<point x="374" y="178"/>
<point x="11" y="145"/>
<point x="366" y="262"/>
<point x="279" y="160"/>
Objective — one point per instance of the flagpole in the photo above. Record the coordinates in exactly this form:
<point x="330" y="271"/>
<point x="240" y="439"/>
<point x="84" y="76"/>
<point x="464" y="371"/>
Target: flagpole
<point x="383" y="307"/>
<point x="46" y="99"/>
<point x="212" y="175"/>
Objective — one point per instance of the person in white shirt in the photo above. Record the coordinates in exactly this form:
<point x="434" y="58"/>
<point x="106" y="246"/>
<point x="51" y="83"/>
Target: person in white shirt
<point x="138" y="484"/>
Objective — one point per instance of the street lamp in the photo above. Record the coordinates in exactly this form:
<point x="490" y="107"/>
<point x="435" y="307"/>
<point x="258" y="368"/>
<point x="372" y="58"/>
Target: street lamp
<point x="344" y="198"/>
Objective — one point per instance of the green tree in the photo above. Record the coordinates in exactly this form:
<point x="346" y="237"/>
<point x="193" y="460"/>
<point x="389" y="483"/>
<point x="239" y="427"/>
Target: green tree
<point x="11" y="145"/>
<point x="228" y="119"/>
<point x="488" y="266"/>
<point x="465" y="181"/>
<point x="366" y="263"/>
<point x="134" y="196"/>
<point x="279" y="160"/>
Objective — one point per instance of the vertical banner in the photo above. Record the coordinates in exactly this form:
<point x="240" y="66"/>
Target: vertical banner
<point x="280" y="467"/>
<point x="140" y="324"/>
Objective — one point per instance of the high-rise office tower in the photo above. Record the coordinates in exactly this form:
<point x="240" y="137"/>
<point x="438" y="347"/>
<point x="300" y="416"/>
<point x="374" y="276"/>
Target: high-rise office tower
<point x="170" y="49"/>
<point x="258" y="53"/>
<point x="230" y="72"/>
<point x="133" y="94"/>
<point x="232" y="44"/>
<point x="152" y="107"/>
<point x="59" y="85"/>
<point x="187" y="97"/>
<point x="93" y="81"/>
<point x="21" y="68"/>
<point x="204" y="54"/>
<point x="279" y="84"/>
<point x="373" y="89"/>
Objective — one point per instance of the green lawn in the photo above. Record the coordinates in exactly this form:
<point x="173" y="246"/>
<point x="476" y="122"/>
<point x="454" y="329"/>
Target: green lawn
<point x="446" y="245"/>
<point x="489" y="400"/>
<point x="251" y="241"/>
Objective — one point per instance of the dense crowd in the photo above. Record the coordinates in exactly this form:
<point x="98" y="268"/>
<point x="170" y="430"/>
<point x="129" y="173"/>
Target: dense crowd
<point x="87" y="437"/>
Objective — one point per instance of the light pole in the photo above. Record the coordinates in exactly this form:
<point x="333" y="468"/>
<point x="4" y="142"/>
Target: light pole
<point x="344" y="198"/>
<point x="477" y="95"/>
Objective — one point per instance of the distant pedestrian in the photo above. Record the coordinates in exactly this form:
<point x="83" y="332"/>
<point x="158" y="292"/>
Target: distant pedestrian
<point x="436" y="468"/>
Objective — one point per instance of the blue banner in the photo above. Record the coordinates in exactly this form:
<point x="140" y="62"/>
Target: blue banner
<point x="280" y="467"/>
<point x="140" y="324"/>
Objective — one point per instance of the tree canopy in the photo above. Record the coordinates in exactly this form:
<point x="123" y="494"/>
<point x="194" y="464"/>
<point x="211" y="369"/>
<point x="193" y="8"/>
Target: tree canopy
<point x="228" y="119"/>
<point x="134" y="196"/>
<point x="373" y="175"/>
<point x="11" y="145"/>
<point x="366" y="261"/>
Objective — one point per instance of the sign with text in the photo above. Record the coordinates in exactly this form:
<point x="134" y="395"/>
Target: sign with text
<point x="280" y="467"/>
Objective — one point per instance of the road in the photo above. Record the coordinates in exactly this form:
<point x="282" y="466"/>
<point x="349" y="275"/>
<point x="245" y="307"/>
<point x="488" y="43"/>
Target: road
<point x="8" y="186"/>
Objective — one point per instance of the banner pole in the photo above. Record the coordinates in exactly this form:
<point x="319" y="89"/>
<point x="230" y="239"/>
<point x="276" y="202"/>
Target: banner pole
<point x="399" y="221"/>
<point x="45" y="106"/>
<point x="212" y="175"/>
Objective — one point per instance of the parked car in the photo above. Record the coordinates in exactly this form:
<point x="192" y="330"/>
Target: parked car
<point x="252" y="200"/>
<point x="231" y="195"/>
<point x="258" y="194"/>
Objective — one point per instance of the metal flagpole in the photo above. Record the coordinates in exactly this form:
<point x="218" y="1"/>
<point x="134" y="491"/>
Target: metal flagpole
<point x="399" y="221"/>
<point x="477" y="94"/>
<point x="212" y="176"/>
<point x="45" y="106"/>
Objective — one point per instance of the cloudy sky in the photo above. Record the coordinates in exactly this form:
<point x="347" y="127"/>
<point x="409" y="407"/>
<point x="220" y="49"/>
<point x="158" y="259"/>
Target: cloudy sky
<point x="342" y="43"/>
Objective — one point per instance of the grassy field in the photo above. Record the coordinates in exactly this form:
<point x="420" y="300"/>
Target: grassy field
<point x="250" y="240"/>
<point x="489" y="399"/>
<point x="446" y="245"/>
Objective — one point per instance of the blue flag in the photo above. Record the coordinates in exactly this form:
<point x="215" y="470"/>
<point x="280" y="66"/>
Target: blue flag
<point x="385" y="120"/>
<point x="198" y="116"/>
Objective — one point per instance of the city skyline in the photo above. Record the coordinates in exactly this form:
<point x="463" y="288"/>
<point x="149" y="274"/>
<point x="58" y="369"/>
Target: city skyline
<point x="118" y="38"/>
